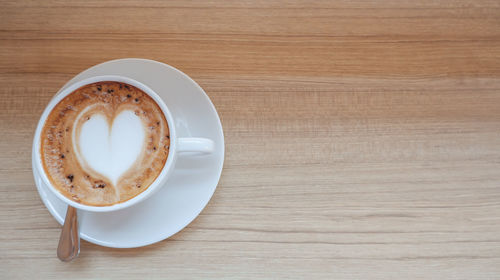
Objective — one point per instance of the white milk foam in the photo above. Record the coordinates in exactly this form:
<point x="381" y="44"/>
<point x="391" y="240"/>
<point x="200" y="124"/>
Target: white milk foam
<point x="111" y="151"/>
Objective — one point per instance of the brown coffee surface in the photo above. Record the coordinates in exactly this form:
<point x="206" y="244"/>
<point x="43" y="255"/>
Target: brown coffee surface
<point x="75" y="179"/>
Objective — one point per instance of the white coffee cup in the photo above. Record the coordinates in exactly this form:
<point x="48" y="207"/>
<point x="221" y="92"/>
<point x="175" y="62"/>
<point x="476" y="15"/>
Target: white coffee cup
<point x="194" y="146"/>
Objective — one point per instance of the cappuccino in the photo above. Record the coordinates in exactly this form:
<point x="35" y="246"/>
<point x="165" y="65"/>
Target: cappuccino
<point x="104" y="143"/>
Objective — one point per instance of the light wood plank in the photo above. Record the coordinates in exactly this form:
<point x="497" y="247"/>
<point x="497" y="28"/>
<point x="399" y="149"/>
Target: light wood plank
<point x="362" y="138"/>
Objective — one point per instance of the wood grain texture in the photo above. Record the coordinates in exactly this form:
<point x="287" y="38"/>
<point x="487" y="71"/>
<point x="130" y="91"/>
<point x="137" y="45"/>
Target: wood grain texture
<point x="362" y="137"/>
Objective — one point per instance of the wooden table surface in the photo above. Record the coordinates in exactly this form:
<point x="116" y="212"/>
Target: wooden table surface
<point x="362" y="138"/>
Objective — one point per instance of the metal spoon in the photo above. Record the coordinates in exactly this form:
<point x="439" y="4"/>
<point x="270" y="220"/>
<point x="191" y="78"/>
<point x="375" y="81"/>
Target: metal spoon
<point x="69" y="242"/>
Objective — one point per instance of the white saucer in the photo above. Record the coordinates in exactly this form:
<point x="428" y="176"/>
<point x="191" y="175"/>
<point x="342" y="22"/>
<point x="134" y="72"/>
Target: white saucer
<point x="193" y="180"/>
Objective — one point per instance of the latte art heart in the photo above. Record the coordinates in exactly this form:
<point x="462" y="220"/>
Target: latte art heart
<point x="104" y="143"/>
<point x="111" y="151"/>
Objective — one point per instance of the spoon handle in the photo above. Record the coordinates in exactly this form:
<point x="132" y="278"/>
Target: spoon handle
<point x="69" y="242"/>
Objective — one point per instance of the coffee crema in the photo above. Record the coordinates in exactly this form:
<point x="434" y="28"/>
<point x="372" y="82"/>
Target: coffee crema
<point x="104" y="143"/>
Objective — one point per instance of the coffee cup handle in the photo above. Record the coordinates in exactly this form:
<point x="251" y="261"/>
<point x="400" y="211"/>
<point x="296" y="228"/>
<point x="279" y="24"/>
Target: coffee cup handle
<point x="195" y="145"/>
